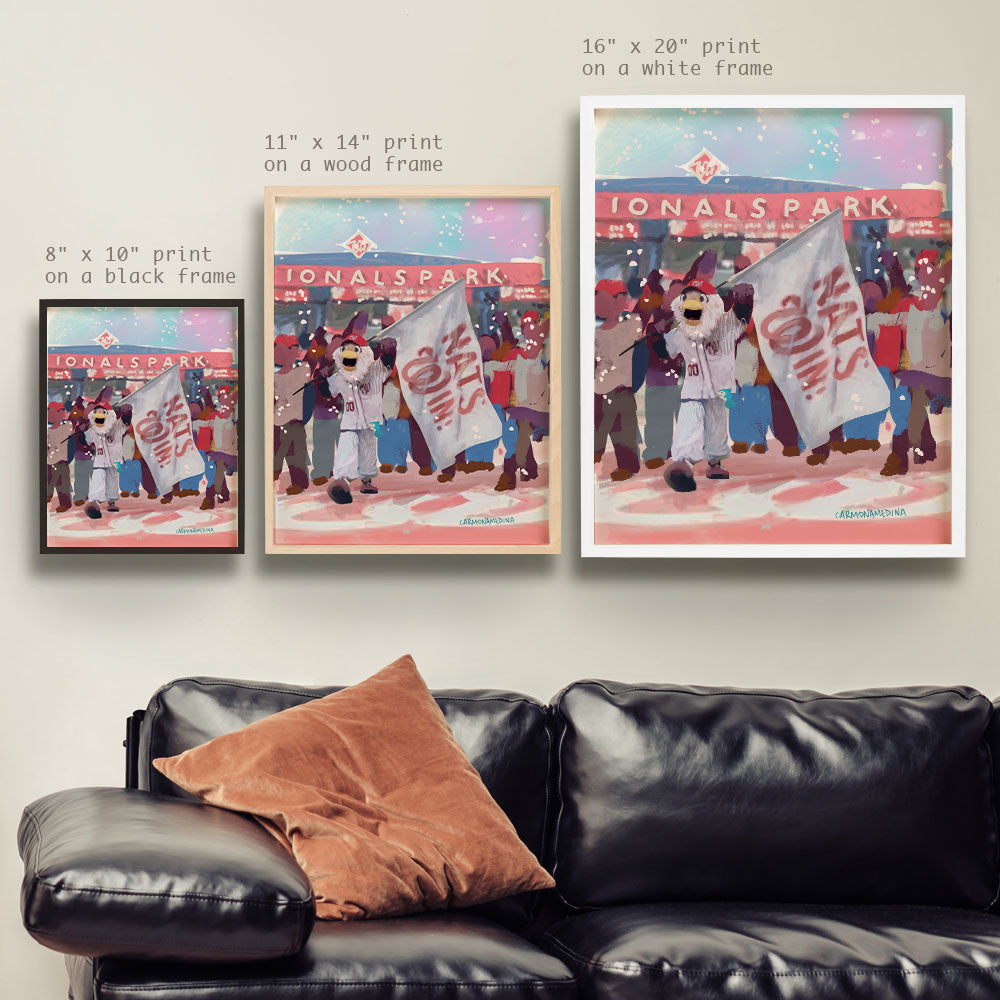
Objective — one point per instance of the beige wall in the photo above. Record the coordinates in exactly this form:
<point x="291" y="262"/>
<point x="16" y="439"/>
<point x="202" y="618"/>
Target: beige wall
<point x="143" y="123"/>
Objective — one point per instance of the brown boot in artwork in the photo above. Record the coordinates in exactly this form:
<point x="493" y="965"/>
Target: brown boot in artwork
<point x="897" y="463"/>
<point x="656" y="463"/>
<point x="740" y="447"/>
<point x="620" y="475"/>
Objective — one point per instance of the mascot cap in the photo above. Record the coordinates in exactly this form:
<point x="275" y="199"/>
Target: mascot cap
<point x="703" y="286"/>
<point x="354" y="338"/>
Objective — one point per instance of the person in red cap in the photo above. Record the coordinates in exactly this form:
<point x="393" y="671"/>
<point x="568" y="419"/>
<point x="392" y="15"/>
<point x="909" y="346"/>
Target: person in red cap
<point x="705" y="334"/>
<point x="290" y="380"/>
<point x="58" y="439"/>
<point x="615" y="412"/>
<point x="357" y="386"/>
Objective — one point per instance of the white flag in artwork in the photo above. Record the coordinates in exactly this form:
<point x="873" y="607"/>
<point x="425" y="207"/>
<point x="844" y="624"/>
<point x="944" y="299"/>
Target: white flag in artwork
<point x="162" y="424"/>
<point x="811" y="328"/>
<point x="441" y="374"/>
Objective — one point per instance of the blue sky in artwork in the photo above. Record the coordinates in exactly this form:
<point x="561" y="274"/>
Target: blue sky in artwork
<point x="189" y="328"/>
<point x="876" y="148"/>
<point x="482" y="229"/>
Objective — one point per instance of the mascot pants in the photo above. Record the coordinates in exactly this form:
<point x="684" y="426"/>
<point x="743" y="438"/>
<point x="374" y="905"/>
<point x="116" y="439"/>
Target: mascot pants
<point x="357" y="456"/>
<point x="702" y="430"/>
<point x="103" y="484"/>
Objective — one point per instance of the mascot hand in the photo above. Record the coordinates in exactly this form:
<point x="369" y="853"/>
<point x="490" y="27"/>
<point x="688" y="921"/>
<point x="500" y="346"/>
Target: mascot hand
<point x="387" y="351"/>
<point x="743" y="301"/>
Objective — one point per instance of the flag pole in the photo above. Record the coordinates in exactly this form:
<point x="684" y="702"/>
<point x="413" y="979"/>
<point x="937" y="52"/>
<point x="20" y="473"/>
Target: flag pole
<point x="739" y="276"/>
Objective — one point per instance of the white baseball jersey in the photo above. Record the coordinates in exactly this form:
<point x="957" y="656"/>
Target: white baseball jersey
<point x="107" y="446"/>
<point x="362" y="400"/>
<point x="709" y="365"/>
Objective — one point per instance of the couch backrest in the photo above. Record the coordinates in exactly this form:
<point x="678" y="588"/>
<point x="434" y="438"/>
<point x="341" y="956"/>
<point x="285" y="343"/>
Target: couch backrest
<point x="681" y="793"/>
<point x="507" y="737"/>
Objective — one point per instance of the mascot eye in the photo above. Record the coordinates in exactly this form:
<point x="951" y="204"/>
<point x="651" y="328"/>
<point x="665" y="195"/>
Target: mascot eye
<point x="702" y="298"/>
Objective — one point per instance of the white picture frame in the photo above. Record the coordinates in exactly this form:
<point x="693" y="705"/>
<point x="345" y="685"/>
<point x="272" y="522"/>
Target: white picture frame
<point x="848" y="548"/>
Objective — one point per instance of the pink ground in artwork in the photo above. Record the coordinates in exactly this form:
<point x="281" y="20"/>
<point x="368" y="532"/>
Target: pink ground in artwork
<point x="181" y="524"/>
<point x="411" y="509"/>
<point x="774" y="500"/>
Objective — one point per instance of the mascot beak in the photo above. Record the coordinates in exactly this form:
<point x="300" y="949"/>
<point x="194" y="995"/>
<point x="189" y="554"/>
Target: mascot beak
<point x="691" y="308"/>
<point x="99" y="417"/>
<point x="349" y="357"/>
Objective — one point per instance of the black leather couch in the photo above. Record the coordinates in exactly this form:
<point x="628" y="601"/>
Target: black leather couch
<point x="706" y="844"/>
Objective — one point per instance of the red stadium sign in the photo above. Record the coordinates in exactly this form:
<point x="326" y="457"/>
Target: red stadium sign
<point x="433" y="278"/>
<point x="133" y="365"/>
<point x="802" y="206"/>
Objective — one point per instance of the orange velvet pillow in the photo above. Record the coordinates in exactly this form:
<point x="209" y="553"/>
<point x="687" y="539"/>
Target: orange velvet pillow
<point x="373" y="796"/>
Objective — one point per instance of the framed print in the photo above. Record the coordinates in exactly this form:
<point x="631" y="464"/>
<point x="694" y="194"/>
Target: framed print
<point x="413" y="365"/>
<point x="141" y="425"/>
<point x="773" y="326"/>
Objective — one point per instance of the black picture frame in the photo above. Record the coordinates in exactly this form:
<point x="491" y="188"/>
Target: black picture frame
<point x="44" y="305"/>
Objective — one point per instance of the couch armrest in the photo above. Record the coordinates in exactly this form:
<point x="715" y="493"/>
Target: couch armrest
<point x="114" y="871"/>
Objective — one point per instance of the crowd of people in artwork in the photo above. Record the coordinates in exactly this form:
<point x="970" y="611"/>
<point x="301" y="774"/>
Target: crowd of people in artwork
<point x="336" y="421"/>
<point x="92" y="458"/>
<point x="908" y="327"/>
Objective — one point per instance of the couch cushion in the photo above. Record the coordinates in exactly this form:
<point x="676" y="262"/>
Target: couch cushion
<point x="433" y="954"/>
<point x="505" y="735"/>
<point x="740" y="951"/>
<point x="124" y="872"/>
<point x="670" y="794"/>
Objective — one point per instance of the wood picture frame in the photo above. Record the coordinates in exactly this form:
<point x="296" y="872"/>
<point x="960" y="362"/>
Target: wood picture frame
<point x="348" y="260"/>
<point x="97" y="353"/>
